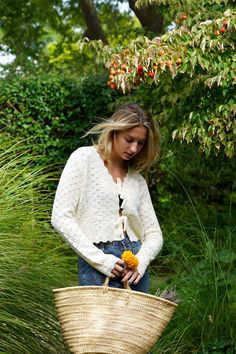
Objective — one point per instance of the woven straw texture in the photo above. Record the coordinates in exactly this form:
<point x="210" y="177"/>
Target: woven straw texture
<point x="97" y="319"/>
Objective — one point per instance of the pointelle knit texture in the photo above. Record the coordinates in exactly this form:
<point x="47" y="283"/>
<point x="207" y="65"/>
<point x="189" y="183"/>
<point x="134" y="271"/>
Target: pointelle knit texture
<point x="85" y="211"/>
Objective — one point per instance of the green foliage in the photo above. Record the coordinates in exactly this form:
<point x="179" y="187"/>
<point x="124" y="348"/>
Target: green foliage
<point x="25" y="28"/>
<point x="40" y="39"/>
<point x="32" y="259"/>
<point x="52" y="113"/>
<point x="120" y="28"/>
<point x="200" y="264"/>
<point x="187" y="13"/>
<point x="194" y="71"/>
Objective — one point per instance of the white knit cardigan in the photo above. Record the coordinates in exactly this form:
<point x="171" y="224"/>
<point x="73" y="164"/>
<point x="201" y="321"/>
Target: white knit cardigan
<point x="86" y="211"/>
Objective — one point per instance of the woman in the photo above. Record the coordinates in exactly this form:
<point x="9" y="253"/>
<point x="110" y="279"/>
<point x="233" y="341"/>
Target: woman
<point x="102" y="204"/>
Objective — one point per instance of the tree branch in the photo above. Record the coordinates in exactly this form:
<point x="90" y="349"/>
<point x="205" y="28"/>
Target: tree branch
<point x="94" y="29"/>
<point x="149" y="16"/>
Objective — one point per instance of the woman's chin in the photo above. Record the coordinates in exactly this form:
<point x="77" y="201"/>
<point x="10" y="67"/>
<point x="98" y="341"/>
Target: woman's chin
<point x="127" y="157"/>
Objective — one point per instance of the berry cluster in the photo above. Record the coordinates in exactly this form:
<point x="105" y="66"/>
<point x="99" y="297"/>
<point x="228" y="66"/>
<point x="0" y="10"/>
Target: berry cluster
<point x="223" y="28"/>
<point x="140" y="71"/>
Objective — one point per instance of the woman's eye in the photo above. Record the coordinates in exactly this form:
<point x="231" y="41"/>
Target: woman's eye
<point x="128" y="140"/>
<point x="141" y="143"/>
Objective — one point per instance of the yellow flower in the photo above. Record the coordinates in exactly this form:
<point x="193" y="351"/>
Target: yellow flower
<point x="130" y="259"/>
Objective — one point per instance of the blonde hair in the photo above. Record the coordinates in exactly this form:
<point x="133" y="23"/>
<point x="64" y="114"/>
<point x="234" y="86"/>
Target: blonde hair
<point x="126" y="117"/>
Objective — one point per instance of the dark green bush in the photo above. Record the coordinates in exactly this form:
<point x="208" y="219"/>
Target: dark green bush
<point x="53" y="112"/>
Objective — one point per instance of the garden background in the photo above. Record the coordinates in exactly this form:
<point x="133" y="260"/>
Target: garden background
<point x="74" y="62"/>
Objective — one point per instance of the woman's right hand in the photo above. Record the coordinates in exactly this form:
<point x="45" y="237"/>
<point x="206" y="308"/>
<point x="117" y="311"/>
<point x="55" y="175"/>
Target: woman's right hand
<point x="118" y="269"/>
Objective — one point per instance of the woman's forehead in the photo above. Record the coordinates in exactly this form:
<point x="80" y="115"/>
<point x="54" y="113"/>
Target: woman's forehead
<point x="139" y="132"/>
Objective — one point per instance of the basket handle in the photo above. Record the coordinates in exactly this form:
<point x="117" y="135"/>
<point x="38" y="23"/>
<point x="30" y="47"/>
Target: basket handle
<point x="106" y="282"/>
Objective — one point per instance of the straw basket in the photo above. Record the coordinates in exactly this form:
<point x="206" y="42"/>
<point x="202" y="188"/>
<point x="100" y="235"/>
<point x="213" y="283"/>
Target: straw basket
<point x="100" y="319"/>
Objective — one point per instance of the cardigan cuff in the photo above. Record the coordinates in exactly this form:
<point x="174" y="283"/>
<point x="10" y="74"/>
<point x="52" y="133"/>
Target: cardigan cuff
<point x="108" y="266"/>
<point x="142" y="267"/>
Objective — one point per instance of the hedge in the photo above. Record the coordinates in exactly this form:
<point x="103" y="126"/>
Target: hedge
<point x="52" y="113"/>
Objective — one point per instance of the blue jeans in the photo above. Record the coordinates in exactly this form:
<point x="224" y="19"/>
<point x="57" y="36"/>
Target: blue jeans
<point x="90" y="276"/>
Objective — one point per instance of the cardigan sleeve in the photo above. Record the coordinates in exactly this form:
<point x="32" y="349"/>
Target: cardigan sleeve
<point x="152" y="236"/>
<point x="63" y="217"/>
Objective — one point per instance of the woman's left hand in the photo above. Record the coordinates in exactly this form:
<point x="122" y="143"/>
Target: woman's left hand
<point x="118" y="269"/>
<point x="131" y="275"/>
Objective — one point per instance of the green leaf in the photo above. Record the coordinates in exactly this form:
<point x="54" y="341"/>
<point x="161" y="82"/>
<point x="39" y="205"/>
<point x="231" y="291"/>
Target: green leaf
<point x="226" y="256"/>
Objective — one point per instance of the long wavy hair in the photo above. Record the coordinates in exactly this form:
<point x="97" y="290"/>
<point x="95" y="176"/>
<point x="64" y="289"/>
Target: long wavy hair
<point x="126" y="117"/>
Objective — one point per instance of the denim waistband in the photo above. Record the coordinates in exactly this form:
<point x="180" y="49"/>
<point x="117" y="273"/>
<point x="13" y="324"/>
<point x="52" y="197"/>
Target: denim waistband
<point x="124" y="242"/>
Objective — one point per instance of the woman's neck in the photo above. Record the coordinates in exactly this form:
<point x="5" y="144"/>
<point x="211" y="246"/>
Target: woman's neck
<point x="117" y="167"/>
<point x="116" y="162"/>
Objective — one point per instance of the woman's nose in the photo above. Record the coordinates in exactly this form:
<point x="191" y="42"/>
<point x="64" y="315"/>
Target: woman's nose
<point x="134" y="147"/>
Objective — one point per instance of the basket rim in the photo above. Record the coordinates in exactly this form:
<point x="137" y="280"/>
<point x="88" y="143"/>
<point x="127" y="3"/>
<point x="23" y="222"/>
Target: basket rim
<point x="101" y="288"/>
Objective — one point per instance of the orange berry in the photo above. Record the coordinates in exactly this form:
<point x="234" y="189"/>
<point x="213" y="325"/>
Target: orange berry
<point x="155" y="67"/>
<point x="151" y="74"/>
<point x="222" y="30"/>
<point x="113" y="86"/>
<point x="113" y="72"/>
<point x="216" y="33"/>
<point x="111" y="77"/>
<point x="123" y="66"/>
<point x="169" y="62"/>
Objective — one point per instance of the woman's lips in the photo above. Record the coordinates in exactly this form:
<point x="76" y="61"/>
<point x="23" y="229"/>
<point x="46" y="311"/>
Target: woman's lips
<point x="129" y="155"/>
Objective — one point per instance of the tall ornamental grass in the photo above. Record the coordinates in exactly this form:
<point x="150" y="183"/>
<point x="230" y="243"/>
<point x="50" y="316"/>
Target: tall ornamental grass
<point x="32" y="261"/>
<point x="200" y="264"/>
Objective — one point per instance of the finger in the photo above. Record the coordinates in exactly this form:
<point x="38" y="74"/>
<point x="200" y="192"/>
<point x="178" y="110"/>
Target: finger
<point x="121" y="262"/>
<point x="116" y="273"/>
<point x="125" y="271"/>
<point x="134" y="278"/>
<point x="130" y="271"/>
<point x="118" y="268"/>
<point x="127" y="276"/>
<point x="137" y="279"/>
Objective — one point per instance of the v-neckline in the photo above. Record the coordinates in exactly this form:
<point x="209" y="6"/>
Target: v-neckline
<point x="118" y="179"/>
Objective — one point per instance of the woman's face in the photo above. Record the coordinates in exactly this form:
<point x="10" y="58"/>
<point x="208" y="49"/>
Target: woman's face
<point x="128" y="143"/>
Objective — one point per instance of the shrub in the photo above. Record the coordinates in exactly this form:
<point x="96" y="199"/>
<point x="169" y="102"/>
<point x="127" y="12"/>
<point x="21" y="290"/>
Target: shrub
<point x="53" y="112"/>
